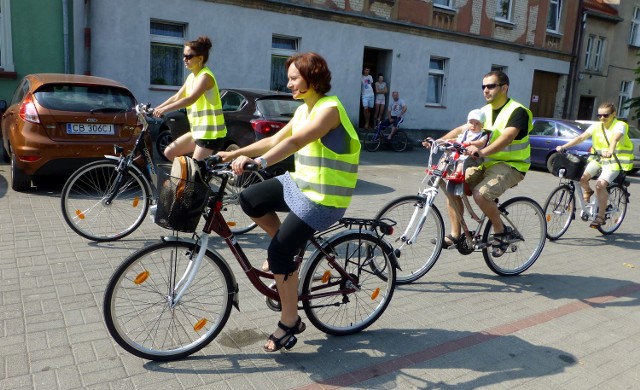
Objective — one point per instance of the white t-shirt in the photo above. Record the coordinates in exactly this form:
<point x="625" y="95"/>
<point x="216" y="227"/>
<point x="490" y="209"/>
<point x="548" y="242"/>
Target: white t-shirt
<point x="367" y="86"/>
<point x="618" y="128"/>
<point x="396" y="107"/>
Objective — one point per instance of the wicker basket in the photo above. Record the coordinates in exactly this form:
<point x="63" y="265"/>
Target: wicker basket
<point x="180" y="201"/>
<point x="573" y="165"/>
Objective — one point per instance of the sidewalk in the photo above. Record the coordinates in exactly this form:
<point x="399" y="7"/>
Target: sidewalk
<point x="570" y="322"/>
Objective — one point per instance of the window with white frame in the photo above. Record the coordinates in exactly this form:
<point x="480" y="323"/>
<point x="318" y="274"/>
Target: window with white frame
<point x="6" y="50"/>
<point x="626" y="88"/>
<point x="443" y="3"/>
<point x="587" y="51"/>
<point x="634" y="39"/>
<point x="281" y="48"/>
<point x="167" y="43"/>
<point x="598" y="54"/>
<point x="504" y="9"/>
<point x="435" y="85"/>
<point x="553" y="19"/>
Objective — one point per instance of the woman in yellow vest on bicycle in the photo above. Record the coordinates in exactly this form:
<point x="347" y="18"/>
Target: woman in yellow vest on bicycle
<point x="610" y="138"/>
<point x="201" y="95"/>
<point x="317" y="194"/>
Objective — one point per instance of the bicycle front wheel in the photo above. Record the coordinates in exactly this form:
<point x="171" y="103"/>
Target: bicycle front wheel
<point x="372" y="140"/>
<point x="559" y="211"/>
<point x="238" y="221"/>
<point x="338" y="306"/>
<point x="84" y="201"/>
<point x="417" y="245"/>
<point x="526" y="218"/>
<point x="399" y="141"/>
<point x="616" y="209"/>
<point x="139" y="307"/>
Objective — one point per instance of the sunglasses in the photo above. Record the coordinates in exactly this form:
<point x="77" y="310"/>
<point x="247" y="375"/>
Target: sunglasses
<point x="189" y="56"/>
<point x="603" y="115"/>
<point x="491" y="86"/>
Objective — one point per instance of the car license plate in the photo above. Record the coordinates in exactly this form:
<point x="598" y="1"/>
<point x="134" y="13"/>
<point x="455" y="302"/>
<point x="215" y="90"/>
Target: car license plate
<point x="90" y="128"/>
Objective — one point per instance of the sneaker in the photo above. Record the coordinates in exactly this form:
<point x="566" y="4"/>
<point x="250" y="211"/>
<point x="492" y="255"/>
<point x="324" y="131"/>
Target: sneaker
<point x="500" y="242"/>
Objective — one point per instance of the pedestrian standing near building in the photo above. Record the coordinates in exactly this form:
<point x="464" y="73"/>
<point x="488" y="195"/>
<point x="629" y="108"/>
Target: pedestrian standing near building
<point x="201" y="96"/>
<point x="381" y="98"/>
<point x="367" y="95"/>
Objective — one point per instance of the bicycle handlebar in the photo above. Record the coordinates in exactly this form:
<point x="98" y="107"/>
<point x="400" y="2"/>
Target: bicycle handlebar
<point x="214" y="165"/>
<point x="444" y="145"/>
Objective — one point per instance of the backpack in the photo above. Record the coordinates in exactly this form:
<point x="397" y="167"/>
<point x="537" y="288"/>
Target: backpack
<point x="182" y="195"/>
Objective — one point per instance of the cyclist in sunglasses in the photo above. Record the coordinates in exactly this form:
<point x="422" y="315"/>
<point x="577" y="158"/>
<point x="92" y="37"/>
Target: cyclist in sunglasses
<point x="611" y="140"/>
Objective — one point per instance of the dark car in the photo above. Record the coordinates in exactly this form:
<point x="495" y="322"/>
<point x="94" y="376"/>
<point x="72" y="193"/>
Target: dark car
<point x="249" y="114"/>
<point x="548" y="133"/>
<point x="56" y="123"/>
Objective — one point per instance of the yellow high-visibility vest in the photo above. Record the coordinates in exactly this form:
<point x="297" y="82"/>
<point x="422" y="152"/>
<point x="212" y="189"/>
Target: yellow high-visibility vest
<point x="624" y="147"/>
<point x="205" y="115"/>
<point x="518" y="153"/>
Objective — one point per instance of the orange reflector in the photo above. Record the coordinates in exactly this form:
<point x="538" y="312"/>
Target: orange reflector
<point x="79" y="214"/>
<point x="326" y="276"/>
<point x="375" y="294"/>
<point x="548" y="217"/>
<point x="141" y="277"/>
<point x="231" y="224"/>
<point x="136" y="200"/>
<point x="200" y="324"/>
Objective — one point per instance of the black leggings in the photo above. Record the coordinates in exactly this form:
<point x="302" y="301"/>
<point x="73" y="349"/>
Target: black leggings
<point x="265" y="197"/>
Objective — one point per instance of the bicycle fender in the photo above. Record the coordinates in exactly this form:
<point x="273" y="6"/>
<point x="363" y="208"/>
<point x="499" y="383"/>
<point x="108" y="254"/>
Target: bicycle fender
<point x="213" y="253"/>
<point x="388" y="250"/>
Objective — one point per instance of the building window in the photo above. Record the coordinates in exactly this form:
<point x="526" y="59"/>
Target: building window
<point x="598" y="53"/>
<point x="594" y="53"/>
<point x="281" y="49"/>
<point x="626" y="87"/>
<point x="587" y="51"/>
<point x="503" y="9"/>
<point x="553" y="19"/>
<point x="499" y="68"/>
<point x="167" y="43"/>
<point x="634" y="39"/>
<point x="6" y="50"/>
<point x="435" y="87"/>
<point x="443" y="3"/>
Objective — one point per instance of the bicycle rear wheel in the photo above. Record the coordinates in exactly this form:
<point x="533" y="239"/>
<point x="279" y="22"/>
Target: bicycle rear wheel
<point x="418" y="256"/>
<point x="238" y="221"/>
<point x="399" y="141"/>
<point x="372" y="140"/>
<point x="84" y="196"/>
<point x="559" y="211"/>
<point x="616" y="209"/>
<point x="137" y="302"/>
<point x="337" y="306"/>
<point x="526" y="218"/>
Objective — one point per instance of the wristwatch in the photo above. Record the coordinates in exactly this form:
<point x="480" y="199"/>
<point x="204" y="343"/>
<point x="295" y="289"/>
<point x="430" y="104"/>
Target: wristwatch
<point x="262" y="162"/>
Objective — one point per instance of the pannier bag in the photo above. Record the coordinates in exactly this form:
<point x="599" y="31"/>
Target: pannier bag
<point x="182" y="195"/>
<point x="572" y="164"/>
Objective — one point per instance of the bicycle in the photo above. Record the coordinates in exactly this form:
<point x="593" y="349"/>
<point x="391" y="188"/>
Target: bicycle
<point x="560" y="206"/>
<point x="373" y="139"/>
<point x="419" y="242"/>
<point x="172" y="298"/>
<point x="108" y="199"/>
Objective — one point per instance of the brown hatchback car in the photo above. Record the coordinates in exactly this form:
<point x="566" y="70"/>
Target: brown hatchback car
<point x="57" y="122"/>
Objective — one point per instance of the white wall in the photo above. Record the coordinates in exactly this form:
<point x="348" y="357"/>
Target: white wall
<point x="242" y="49"/>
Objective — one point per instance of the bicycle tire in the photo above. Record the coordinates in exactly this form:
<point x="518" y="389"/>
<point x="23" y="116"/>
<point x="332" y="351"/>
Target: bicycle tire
<point x="399" y="141"/>
<point x="238" y="221"/>
<point x="411" y="255"/>
<point x="363" y="255"/>
<point x="136" y="305"/>
<point x="372" y="140"/>
<point x="83" y="201"/>
<point x="522" y="212"/>
<point x="559" y="211"/>
<point x="616" y="209"/>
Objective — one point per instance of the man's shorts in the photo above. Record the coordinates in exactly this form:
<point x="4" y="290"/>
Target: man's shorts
<point x="215" y="144"/>
<point x="367" y="101"/>
<point x="493" y="181"/>
<point x="608" y="175"/>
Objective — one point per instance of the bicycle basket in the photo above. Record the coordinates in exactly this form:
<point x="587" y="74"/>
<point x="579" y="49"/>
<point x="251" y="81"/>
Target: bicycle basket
<point x="572" y="164"/>
<point x="182" y="195"/>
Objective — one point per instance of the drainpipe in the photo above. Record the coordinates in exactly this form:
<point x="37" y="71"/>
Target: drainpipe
<point x="574" y="72"/>
<point x="65" y="34"/>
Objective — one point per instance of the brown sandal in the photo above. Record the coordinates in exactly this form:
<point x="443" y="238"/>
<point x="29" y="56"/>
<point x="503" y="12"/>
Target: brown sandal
<point x="597" y="222"/>
<point x="587" y="196"/>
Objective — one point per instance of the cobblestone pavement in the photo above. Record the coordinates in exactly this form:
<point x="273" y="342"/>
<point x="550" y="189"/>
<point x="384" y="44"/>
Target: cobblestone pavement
<point x="570" y="322"/>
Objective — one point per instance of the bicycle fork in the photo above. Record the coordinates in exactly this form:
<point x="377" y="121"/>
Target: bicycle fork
<point x="418" y="218"/>
<point x="189" y="273"/>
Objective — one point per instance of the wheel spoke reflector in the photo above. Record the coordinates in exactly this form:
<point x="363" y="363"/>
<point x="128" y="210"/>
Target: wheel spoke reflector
<point x="79" y="214"/>
<point x="375" y="294"/>
<point x="326" y="276"/>
<point x="141" y="277"/>
<point x="200" y="324"/>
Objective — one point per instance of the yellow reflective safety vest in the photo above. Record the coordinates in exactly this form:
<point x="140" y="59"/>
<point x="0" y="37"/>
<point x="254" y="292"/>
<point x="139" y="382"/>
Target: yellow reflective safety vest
<point x="518" y="153"/>
<point x="324" y="176"/>
<point x="624" y="147"/>
<point x="205" y="115"/>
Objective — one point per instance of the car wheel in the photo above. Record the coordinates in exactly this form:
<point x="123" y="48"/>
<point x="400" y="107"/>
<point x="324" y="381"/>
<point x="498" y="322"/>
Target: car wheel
<point x="163" y="140"/>
<point x="550" y="160"/>
<point x="19" y="180"/>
